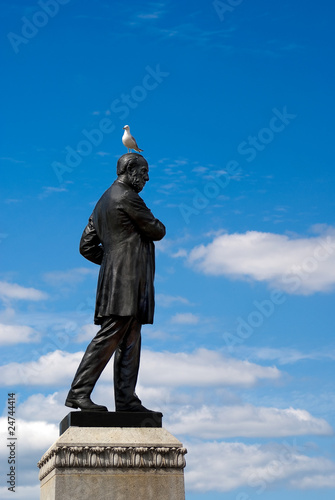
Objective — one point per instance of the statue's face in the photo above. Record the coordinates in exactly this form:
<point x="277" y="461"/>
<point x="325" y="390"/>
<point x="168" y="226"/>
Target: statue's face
<point x="138" y="174"/>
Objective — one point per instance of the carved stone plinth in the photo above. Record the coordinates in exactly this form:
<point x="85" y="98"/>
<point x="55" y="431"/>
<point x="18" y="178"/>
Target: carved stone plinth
<point x="115" y="463"/>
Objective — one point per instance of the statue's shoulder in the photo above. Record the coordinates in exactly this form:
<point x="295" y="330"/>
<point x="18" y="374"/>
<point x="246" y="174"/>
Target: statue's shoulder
<point x="117" y="189"/>
<point x="122" y="190"/>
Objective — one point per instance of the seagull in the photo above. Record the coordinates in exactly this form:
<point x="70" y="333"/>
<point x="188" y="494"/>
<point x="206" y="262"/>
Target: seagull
<point x="129" y="141"/>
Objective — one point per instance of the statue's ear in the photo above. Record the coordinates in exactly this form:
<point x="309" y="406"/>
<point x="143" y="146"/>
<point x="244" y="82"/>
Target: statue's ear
<point x="130" y="167"/>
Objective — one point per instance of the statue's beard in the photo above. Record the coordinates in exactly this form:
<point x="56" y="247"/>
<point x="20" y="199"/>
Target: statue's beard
<point x="137" y="182"/>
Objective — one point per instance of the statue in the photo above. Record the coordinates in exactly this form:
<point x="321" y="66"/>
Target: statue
<point x="119" y="237"/>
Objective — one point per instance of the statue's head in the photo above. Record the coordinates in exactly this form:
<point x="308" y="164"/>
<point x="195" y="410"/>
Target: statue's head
<point x="133" y="169"/>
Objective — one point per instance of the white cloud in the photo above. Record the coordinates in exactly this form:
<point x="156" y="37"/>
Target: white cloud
<point x="314" y="482"/>
<point x="151" y="333"/>
<point x="285" y="355"/>
<point x="69" y="277"/>
<point x="61" y="329"/>
<point x="31" y="436"/>
<point x="51" y="369"/>
<point x="295" y="265"/>
<point x="185" y="319"/>
<point x="36" y="435"/>
<point x="246" y="421"/>
<point x="21" y="493"/>
<point x="14" y="334"/>
<point x="180" y="253"/>
<point x="7" y="314"/>
<point x="228" y="466"/>
<point x="14" y="291"/>
<point x="48" y="190"/>
<point x="170" y="300"/>
<point x="200" y="369"/>
<point x="49" y="408"/>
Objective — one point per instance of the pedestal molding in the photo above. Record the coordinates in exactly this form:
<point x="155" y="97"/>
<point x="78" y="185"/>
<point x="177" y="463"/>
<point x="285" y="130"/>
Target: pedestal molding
<point x="111" y="457"/>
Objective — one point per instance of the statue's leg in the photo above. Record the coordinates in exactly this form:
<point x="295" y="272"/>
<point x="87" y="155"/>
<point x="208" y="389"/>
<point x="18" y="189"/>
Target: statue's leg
<point x="98" y="353"/>
<point x="126" y="366"/>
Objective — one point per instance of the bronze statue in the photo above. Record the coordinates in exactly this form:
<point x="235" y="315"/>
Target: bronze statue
<point x="119" y="237"/>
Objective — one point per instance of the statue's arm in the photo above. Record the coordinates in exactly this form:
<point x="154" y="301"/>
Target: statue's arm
<point x="143" y="218"/>
<point x="90" y="245"/>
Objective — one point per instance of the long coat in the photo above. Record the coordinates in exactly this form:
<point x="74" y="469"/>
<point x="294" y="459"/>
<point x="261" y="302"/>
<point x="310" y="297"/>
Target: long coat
<point x="119" y="236"/>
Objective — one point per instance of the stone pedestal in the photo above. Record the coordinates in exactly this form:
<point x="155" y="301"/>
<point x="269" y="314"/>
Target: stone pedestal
<point x="113" y="463"/>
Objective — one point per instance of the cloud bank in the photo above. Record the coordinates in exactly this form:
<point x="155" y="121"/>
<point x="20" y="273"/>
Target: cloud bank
<point x="247" y="421"/>
<point x="228" y="466"/>
<point x="18" y="292"/>
<point x="295" y="265"/>
<point x="15" y="334"/>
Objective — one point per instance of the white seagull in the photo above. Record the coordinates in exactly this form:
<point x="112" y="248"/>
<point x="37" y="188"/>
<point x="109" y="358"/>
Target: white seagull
<point x="129" y="141"/>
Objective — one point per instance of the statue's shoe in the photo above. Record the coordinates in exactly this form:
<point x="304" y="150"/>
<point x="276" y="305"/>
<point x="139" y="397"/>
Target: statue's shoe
<point x="84" y="404"/>
<point x="135" y="408"/>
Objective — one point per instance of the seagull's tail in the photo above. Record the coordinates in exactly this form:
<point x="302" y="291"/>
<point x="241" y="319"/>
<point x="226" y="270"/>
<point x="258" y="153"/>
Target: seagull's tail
<point x="138" y="150"/>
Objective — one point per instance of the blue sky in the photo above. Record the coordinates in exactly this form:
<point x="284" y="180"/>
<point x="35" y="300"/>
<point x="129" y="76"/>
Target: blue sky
<point x="233" y="105"/>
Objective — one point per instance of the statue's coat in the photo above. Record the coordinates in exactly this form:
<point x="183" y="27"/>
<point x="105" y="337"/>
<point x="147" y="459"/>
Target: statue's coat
<point x="119" y="237"/>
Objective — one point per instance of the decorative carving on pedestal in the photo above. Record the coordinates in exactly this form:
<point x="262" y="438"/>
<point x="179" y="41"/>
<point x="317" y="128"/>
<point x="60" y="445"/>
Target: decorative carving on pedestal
<point x="111" y="457"/>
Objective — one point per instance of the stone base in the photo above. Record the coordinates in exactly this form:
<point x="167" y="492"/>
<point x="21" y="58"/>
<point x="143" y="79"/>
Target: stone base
<point x="110" y="419"/>
<point x="113" y="463"/>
